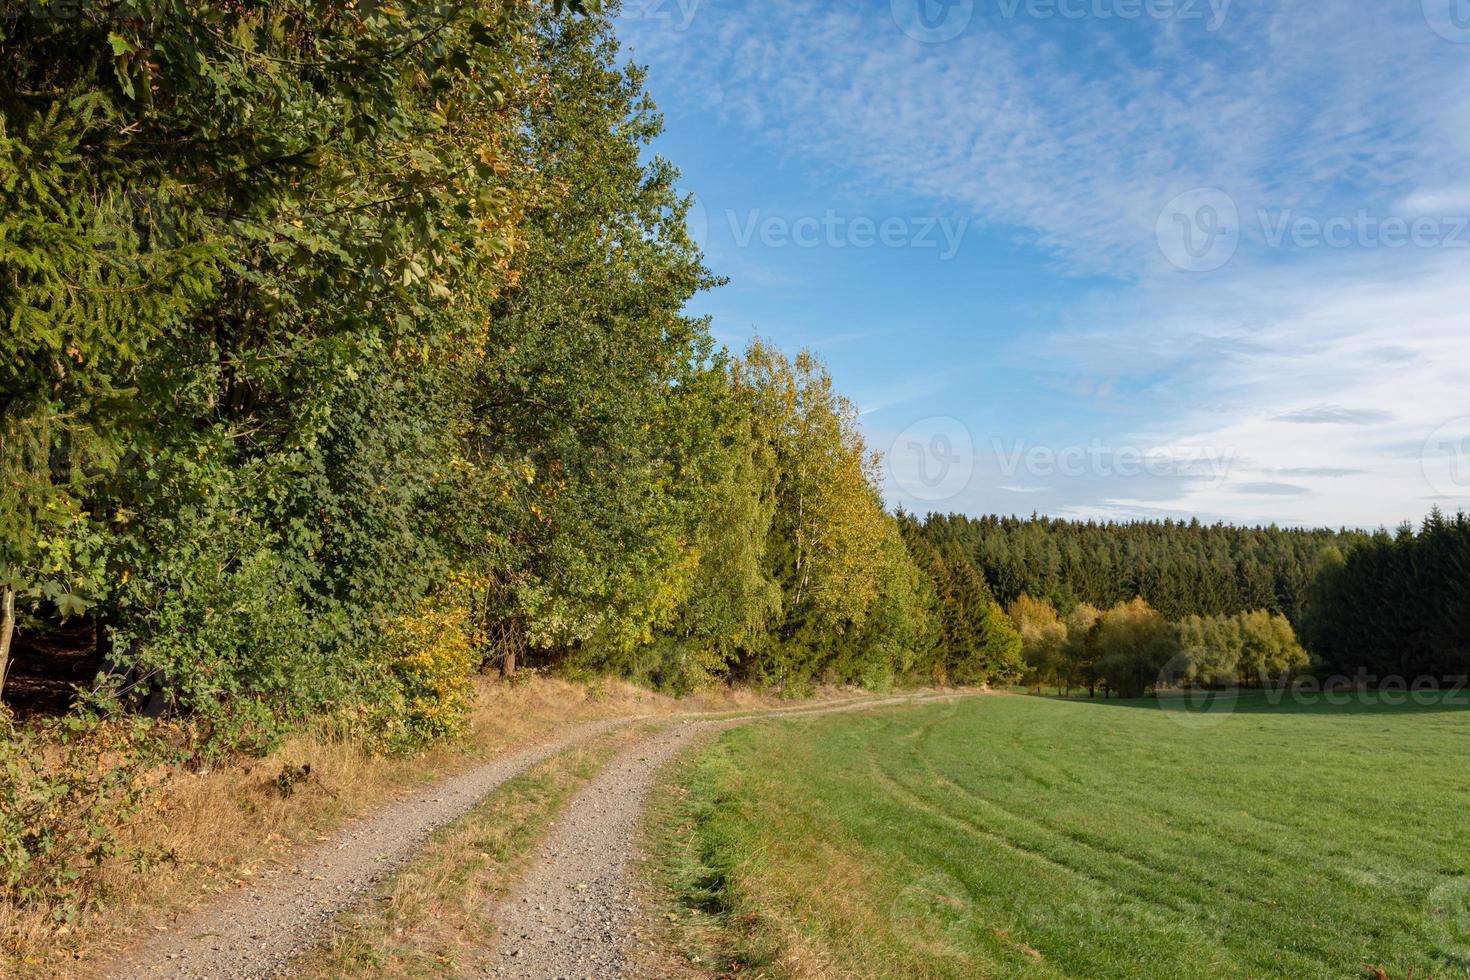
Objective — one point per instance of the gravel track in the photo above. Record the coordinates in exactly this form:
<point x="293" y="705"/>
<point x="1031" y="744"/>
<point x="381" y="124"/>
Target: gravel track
<point x="575" y="913"/>
<point x="256" y="932"/>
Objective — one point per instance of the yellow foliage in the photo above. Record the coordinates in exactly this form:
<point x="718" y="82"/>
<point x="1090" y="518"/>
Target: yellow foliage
<point x="429" y="656"/>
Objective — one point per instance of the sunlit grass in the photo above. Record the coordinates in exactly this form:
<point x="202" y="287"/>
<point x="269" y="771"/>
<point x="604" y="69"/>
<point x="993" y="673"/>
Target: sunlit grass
<point x="1014" y="836"/>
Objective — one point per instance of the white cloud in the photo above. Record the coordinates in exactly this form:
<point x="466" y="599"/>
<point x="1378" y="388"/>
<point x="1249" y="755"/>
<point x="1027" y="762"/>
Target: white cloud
<point x="1078" y="151"/>
<point x="1318" y="108"/>
<point x="1313" y="345"/>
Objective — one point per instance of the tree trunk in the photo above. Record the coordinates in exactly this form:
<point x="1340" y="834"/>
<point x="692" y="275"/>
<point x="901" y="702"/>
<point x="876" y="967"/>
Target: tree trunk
<point x="7" y="631"/>
<point x="508" y="665"/>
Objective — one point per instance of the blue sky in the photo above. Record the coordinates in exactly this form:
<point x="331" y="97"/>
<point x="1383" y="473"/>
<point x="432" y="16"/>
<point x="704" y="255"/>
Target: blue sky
<point x="1099" y="258"/>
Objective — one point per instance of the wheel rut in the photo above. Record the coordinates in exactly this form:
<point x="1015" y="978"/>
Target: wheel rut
<point x="575" y="913"/>
<point x="256" y="932"/>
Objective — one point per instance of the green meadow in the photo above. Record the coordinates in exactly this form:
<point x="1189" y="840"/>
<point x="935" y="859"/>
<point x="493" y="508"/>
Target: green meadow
<point x="1026" y="836"/>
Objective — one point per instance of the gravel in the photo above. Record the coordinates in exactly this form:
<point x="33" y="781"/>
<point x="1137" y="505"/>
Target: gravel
<point x="256" y="931"/>
<point x="572" y="916"/>
<point x="575" y="913"/>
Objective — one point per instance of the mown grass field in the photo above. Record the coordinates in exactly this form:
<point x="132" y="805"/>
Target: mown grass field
<point x="1020" y="836"/>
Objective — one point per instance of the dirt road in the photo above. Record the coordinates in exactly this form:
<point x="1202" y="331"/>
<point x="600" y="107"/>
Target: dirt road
<point x="256" y="932"/>
<point x="575" y="913"/>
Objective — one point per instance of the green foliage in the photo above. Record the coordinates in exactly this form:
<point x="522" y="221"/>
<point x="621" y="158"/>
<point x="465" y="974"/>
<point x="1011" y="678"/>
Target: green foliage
<point x="1043" y="640"/>
<point x="1180" y="568"/>
<point x="1211" y="650"/>
<point x="313" y="309"/>
<point x="1132" y="647"/>
<point x="240" y="252"/>
<point x="429" y="657"/>
<point x="973" y="640"/>
<point x="1133" y="643"/>
<point x="346" y="352"/>
<point x="842" y="597"/>
<point x="1395" y="605"/>
<point x="1081" y="655"/>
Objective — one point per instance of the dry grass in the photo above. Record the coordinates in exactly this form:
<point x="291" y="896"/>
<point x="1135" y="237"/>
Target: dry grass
<point x="434" y="917"/>
<point x="215" y="831"/>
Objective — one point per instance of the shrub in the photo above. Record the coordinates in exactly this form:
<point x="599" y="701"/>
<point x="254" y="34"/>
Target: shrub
<point x="428" y="656"/>
<point x="65" y="794"/>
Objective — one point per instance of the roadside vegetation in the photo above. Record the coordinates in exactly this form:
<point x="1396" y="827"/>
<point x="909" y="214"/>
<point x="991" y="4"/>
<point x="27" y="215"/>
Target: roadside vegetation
<point x="346" y="360"/>
<point x="1022" y="836"/>
<point x="207" y="832"/>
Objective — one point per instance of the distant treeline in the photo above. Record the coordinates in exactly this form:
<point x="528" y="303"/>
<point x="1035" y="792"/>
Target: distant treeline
<point x="1181" y="568"/>
<point x="1380" y="604"/>
<point x="1132" y="647"/>
<point x="1395" y="605"/>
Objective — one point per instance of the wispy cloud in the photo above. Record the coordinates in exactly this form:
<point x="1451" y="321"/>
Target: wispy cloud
<point x="1334" y="415"/>
<point x="1267" y="489"/>
<point x="1078" y="146"/>
<point x="1323" y="369"/>
<point x="1325" y="471"/>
